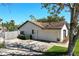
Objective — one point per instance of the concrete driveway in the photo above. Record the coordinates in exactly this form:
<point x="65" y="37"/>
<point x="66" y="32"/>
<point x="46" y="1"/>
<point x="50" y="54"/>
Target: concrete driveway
<point x="27" y="47"/>
<point x="32" y="44"/>
<point x="28" y="44"/>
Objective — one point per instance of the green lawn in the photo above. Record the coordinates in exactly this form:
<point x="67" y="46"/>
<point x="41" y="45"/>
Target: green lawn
<point x="59" y="51"/>
<point x="56" y="51"/>
<point x="76" y="51"/>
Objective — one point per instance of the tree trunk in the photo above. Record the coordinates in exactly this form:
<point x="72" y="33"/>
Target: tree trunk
<point x="71" y="46"/>
<point x="71" y="35"/>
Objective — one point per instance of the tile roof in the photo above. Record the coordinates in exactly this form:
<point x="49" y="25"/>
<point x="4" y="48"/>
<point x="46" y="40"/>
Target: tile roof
<point x="52" y="25"/>
<point x="47" y="25"/>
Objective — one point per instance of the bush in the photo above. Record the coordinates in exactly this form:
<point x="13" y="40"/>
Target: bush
<point x="27" y="36"/>
<point x="2" y="45"/>
<point x="23" y="37"/>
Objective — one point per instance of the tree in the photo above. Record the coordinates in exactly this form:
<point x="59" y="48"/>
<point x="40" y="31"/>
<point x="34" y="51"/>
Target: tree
<point x="55" y="9"/>
<point x="32" y="17"/>
<point x="1" y="22"/>
<point x="0" y="19"/>
<point x="54" y="18"/>
<point x="10" y="25"/>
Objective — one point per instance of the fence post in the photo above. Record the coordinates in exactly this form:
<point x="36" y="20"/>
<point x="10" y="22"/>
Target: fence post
<point x="4" y="39"/>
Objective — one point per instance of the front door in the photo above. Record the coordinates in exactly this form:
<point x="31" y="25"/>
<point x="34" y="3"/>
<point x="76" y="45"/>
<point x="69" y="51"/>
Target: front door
<point x="35" y="34"/>
<point x="64" y="33"/>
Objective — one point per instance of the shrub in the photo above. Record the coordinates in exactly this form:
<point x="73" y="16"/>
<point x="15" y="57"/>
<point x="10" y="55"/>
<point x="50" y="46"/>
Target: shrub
<point x="2" y="45"/>
<point x="21" y="37"/>
<point x="27" y="36"/>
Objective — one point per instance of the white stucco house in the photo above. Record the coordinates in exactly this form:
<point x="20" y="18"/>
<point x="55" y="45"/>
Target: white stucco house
<point x="54" y="31"/>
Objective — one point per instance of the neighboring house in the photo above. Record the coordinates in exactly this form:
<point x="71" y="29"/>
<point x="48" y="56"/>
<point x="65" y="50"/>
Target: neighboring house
<point x="54" y="31"/>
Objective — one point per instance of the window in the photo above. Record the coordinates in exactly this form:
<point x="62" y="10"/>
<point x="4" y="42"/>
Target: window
<point x="22" y="32"/>
<point x="32" y="31"/>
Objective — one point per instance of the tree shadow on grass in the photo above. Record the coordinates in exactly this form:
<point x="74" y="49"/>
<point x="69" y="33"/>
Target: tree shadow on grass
<point x="55" y="53"/>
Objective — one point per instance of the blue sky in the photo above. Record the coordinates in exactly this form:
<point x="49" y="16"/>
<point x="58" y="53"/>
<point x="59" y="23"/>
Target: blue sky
<point x="20" y="12"/>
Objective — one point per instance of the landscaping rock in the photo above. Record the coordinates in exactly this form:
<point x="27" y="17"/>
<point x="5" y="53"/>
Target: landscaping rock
<point x="29" y="44"/>
<point x="19" y="47"/>
<point x="7" y="52"/>
<point x="1" y="40"/>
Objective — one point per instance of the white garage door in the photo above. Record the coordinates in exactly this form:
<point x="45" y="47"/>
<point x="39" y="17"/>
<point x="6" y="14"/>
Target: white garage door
<point x="48" y="35"/>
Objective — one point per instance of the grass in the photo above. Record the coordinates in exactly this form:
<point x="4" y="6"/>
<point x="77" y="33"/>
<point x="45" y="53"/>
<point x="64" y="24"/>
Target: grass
<point x="59" y="51"/>
<point x="56" y="51"/>
<point x="76" y="50"/>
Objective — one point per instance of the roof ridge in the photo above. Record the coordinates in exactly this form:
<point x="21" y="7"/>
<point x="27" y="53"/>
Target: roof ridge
<point x="47" y="25"/>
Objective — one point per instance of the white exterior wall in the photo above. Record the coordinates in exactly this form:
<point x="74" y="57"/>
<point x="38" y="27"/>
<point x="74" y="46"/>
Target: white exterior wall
<point x="64" y="28"/>
<point x="27" y="28"/>
<point x="49" y="35"/>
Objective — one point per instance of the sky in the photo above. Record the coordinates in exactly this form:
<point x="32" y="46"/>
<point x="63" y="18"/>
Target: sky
<point x="20" y="12"/>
